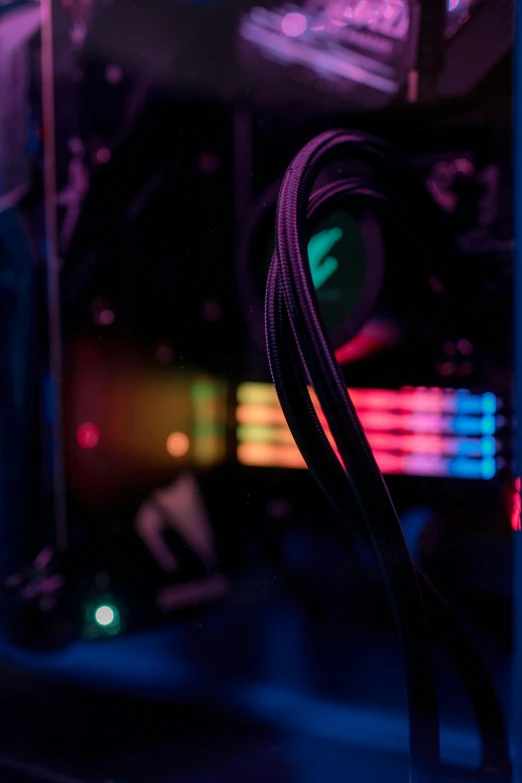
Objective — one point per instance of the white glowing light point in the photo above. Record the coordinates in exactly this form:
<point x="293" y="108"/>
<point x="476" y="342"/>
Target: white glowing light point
<point x="294" y="25"/>
<point x="105" y="615"/>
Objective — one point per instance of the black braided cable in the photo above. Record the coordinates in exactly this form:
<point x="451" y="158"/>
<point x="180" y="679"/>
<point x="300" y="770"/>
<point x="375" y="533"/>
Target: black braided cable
<point x="296" y="339"/>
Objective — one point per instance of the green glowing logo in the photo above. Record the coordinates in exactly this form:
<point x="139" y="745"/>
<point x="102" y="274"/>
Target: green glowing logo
<point x="322" y="265"/>
<point x="337" y="257"/>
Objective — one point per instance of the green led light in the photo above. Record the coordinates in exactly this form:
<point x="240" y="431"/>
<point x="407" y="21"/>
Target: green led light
<point x="257" y="433"/>
<point x="204" y="429"/>
<point x="107" y="616"/>
<point x="338" y="259"/>
<point x="323" y="266"/>
<point x="202" y="390"/>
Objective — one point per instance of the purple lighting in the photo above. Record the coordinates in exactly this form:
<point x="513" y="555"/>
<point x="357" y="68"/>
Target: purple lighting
<point x="340" y="16"/>
<point x="333" y="62"/>
<point x="293" y="25"/>
<point x="106" y="317"/>
<point x="344" y="42"/>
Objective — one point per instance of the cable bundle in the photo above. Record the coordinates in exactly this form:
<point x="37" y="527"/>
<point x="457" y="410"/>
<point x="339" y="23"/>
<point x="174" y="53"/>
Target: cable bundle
<point x="300" y="352"/>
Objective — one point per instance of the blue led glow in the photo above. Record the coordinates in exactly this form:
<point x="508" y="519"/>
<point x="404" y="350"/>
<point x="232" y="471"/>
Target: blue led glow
<point x="489" y="403"/>
<point x="468" y="403"/>
<point x="489" y="446"/>
<point x="477" y="447"/>
<point x="472" y="468"/>
<point x="489" y="468"/>
<point x="465" y="468"/>
<point x="475" y="403"/>
<point x="471" y="448"/>
<point x="471" y="425"/>
<point x="465" y="425"/>
<point x="489" y="425"/>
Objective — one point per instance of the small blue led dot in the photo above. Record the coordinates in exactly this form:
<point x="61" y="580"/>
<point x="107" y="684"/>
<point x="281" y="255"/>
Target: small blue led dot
<point x="488" y="446"/>
<point x="489" y="468"/>
<point x="489" y="403"/>
<point x="489" y="425"/>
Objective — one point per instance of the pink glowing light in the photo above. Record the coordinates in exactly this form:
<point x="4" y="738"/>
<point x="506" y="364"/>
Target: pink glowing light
<point x="426" y="465"/>
<point x="414" y="444"/>
<point x="381" y="421"/>
<point x="359" y="347"/>
<point x="103" y="155"/>
<point x="293" y="25"/>
<point x="453" y="4"/>
<point x="463" y="165"/>
<point x="517" y="507"/>
<point x="405" y="422"/>
<point x="113" y="74"/>
<point x="340" y="15"/>
<point x="363" y="9"/>
<point x="424" y="400"/>
<point x="44" y="558"/>
<point x="376" y="335"/>
<point x="465" y="347"/>
<point x="88" y="435"/>
<point x="392" y="464"/>
<point x="338" y="63"/>
<point x="106" y="317"/>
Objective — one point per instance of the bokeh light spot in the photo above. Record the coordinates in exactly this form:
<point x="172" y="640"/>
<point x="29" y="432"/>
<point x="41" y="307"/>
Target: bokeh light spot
<point x="103" y="155"/>
<point x="178" y="444"/>
<point x="88" y="435"/>
<point x="293" y="25"/>
<point x="106" y="317"/>
<point x="106" y="615"/>
<point x="113" y="74"/>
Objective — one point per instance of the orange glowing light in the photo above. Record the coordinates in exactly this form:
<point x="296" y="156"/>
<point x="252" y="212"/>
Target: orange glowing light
<point x="270" y="456"/>
<point x="260" y="415"/>
<point x="178" y="444"/>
